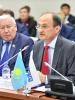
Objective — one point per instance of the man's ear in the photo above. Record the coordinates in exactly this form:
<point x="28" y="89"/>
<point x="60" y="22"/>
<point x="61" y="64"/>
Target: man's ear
<point x="57" y="29"/>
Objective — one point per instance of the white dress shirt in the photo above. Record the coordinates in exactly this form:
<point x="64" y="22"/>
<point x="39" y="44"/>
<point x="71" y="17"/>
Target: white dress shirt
<point x="51" y="50"/>
<point x="66" y="20"/>
<point x="51" y="53"/>
<point x="4" y="48"/>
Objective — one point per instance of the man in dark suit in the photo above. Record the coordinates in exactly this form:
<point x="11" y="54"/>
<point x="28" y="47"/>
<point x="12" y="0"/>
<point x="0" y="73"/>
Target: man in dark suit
<point x="69" y="18"/>
<point x="68" y="32"/>
<point x="53" y="48"/>
<point x="26" y="22"/>
<point x="13" y="41"/>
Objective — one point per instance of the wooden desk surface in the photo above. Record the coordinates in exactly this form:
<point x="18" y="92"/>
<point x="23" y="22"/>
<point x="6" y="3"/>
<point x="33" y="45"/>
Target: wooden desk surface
<point x="18" y="95"/>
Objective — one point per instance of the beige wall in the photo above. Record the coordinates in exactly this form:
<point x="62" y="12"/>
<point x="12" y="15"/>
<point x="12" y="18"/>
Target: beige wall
<point x="38" y="6"/>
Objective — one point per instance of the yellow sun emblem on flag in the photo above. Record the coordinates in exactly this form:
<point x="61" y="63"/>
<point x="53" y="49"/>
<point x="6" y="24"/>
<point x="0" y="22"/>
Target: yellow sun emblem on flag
<point x="17" y="72"/>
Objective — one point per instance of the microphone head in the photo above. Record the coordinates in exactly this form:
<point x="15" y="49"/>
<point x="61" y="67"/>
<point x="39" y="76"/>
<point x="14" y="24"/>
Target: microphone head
<point x="47" y="64"/>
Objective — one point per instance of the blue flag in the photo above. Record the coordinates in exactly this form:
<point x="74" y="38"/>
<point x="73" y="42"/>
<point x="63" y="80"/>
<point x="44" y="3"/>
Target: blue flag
<point x="19" y="76"/>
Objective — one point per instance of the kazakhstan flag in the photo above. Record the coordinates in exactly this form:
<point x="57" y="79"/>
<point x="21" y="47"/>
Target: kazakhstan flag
<point x="19" y="76"/>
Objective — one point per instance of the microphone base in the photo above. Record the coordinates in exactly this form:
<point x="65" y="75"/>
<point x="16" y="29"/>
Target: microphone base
<point x="59" y="88"/>
<point x="61" y="96"/>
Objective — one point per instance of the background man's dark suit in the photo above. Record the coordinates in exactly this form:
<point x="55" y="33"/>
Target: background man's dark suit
<point x="71" y="19"/>
<point x="19" y="42"/>
<point x="63" y="59"/>
<point x="68" y="32"/>
<point x="29" y="28"/>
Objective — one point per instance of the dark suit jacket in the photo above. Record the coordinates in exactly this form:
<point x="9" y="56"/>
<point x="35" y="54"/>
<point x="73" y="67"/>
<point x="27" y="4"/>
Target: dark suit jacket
<point x="71" y="19"/>
<point x="28" y="29"/>
<point x="20" y="41"/>
<point x="63" y="58"/>
<point x="21" y="28"/>
<point x="68" y="32"/>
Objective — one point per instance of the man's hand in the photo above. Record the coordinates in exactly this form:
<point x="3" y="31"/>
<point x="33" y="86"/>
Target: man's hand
<point x="42" y="77"/>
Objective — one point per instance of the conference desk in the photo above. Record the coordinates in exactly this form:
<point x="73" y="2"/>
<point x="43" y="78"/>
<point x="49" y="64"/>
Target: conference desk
<point x="18" y="95"/>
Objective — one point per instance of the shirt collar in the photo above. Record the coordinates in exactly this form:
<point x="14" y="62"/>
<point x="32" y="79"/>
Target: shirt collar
<point x="52" y="43"/>
<point x="67" y="17"/>
<point x="5" y="42"/>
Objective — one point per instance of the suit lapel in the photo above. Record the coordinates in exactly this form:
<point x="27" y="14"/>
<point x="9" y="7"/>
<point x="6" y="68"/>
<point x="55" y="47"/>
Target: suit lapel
<point x="12" y="50"/>
<point x="41" y="54"/>
<point x="37" y="54"/>
<point x="13" y="47"/>
<point x="57" y="51"/>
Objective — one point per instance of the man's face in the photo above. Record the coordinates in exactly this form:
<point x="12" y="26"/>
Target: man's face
<point x="46" y="30"/>
<point x="7" y="29"/>
<point x="65" y="10"/>
<point x="24" y="14"/>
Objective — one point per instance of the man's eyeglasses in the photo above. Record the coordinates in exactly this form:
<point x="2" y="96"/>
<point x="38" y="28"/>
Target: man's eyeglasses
<point x="42" y="26"/>
<point x="7" y="26"/>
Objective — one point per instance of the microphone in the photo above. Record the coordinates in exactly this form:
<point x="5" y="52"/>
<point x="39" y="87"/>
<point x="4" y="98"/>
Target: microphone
<point x="21" y="50"/>
<point x="57" y="72"/>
